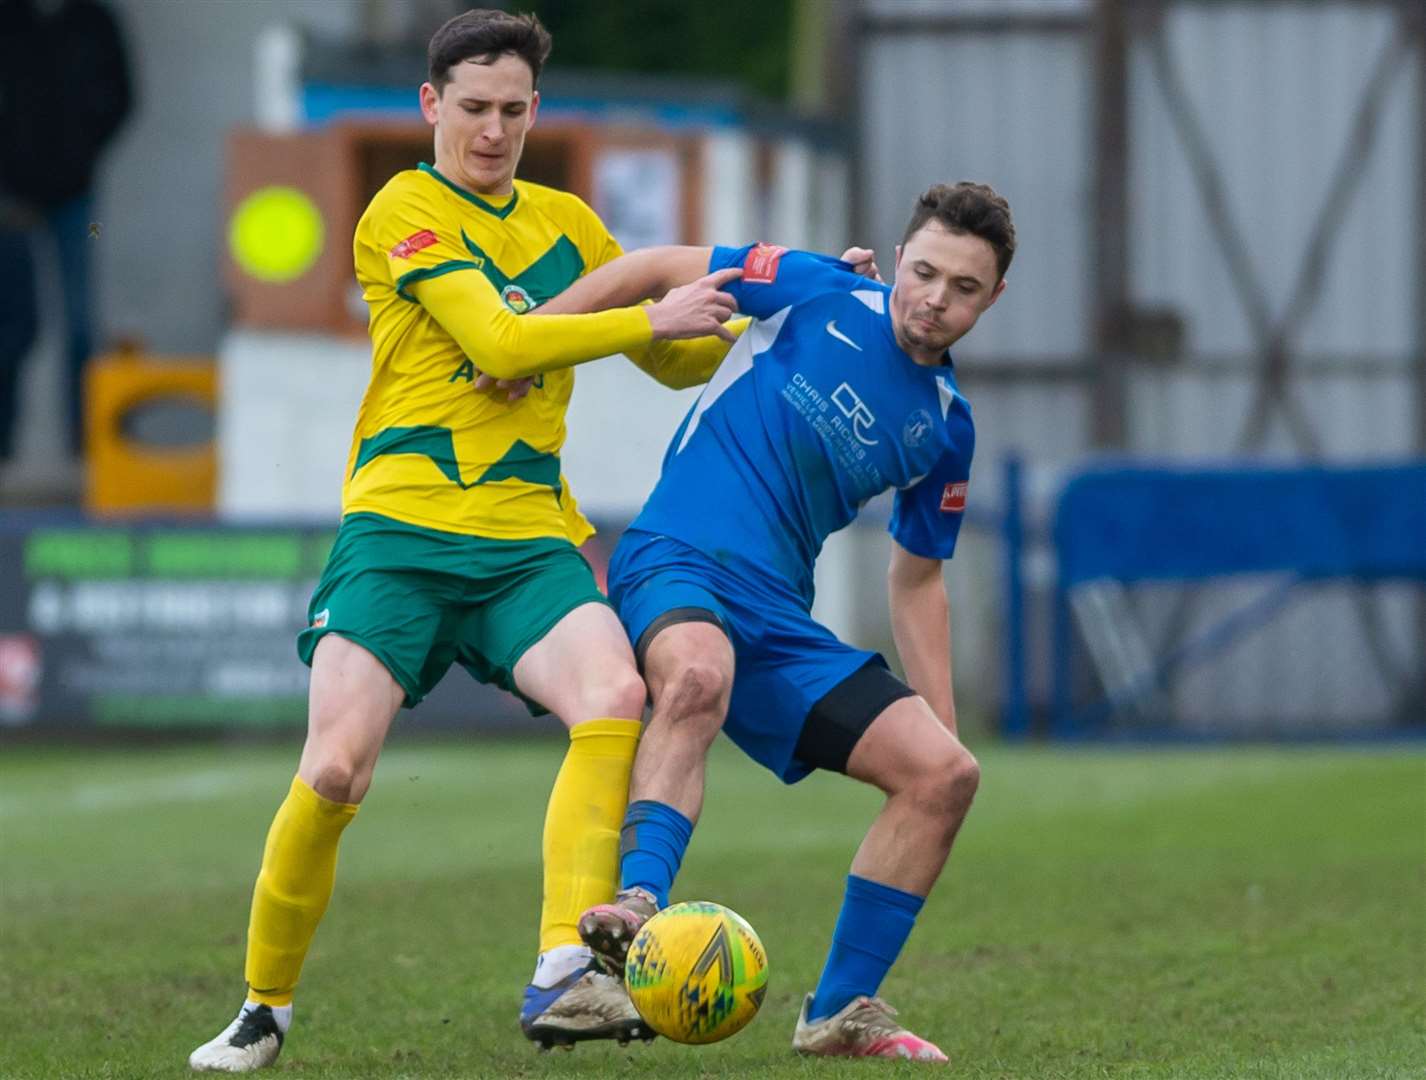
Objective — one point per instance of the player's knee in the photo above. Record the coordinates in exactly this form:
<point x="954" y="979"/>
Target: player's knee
<point x="336" y="775"/>
<point x="696" y="697"/>
<point x="964" y="777"/>
<point x="334" y="779"/>
<point x="619" y="693"/>
<point x="947" y="790"/>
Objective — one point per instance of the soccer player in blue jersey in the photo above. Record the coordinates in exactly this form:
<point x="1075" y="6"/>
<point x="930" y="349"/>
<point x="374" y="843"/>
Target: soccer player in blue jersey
<point x="841" y="389"/>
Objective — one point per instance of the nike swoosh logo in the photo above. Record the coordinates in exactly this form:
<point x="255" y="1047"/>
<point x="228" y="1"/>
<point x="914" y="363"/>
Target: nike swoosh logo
<point x="832" y="329"/>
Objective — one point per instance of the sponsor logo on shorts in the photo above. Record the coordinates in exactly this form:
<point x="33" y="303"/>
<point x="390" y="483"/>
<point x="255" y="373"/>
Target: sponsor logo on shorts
<point x="760" y="267"/>
<point x="320" y="619"/>
<point x="413" y="243"/>
<point x="953" y="499"/>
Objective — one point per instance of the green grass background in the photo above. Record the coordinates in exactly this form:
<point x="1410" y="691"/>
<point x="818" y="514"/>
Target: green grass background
<point x="1166" y="913"/>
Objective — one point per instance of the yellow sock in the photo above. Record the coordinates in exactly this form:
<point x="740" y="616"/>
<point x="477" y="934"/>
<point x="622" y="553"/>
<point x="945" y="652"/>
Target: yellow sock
<point x="299" y="867"/>
<point x="582" y="823"/>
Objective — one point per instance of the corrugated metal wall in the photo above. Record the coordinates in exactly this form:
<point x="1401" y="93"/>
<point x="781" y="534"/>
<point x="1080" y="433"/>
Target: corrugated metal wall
<point x="1272" y="157"/>
<point x="1012" y="110"/>
<point x="1276" y="90"/>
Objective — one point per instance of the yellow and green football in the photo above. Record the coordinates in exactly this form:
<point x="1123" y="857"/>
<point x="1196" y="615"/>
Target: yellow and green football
<point x="696" y="972"/>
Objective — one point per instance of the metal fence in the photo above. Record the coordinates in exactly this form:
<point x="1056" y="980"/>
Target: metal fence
<point x="1221" y="210"/>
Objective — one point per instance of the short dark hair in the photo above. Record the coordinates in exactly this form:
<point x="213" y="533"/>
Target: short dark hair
<point x="969" y="209"/>
<point x="482" y="35"/>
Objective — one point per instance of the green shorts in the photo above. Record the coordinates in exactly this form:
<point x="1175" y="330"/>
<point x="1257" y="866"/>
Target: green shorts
<point x="419" y="599"/>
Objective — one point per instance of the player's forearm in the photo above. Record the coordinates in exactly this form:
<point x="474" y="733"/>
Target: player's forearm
<point x="509" y="346"/>
<point x="640" y="275"/>
<point x="681" y="364"/>
<point x="921" y="627"/>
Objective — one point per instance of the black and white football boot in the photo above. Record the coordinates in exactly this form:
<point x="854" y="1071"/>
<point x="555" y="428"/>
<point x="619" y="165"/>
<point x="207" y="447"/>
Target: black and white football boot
<point x="250" y="1042"/>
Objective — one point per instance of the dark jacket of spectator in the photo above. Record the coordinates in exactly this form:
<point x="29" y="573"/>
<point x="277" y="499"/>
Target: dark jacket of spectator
<point x="64" y="92"/>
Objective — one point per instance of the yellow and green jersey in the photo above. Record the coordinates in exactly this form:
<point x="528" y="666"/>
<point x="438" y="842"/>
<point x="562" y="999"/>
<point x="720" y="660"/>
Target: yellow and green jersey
<point x="449" y="277"/>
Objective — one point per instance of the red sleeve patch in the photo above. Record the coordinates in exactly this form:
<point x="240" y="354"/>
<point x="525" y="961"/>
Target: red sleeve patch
<point x="413" y="243"/>
<point x="760" y="267"/>
<point x="953" y="499"/>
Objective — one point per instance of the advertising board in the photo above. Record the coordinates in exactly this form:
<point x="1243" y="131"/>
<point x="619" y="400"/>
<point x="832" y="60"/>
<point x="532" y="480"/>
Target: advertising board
<point x="176" y="626"/>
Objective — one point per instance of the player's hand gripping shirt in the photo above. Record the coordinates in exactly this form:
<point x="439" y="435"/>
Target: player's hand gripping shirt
<point x="815" y="411"/>
<point x="449" y="278"/>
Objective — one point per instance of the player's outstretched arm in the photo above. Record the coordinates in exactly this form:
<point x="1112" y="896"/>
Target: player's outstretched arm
<point x="685" y="309"/>
<point x="510" y="346"/>
<point x="647" y="274"/>
<point x="680" y="364"/>
<point x="675" y="360"/>
<point x="674" y="357"/>
<point x="513" y="347"/>
<point x="677" y="274"/>
<point x="652" y="272"/>
<point x="687" y="337"/>
<point x="921" y="627"/>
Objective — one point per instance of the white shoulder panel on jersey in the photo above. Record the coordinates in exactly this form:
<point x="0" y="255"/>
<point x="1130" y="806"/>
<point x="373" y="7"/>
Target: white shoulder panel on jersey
<point x="947" y="395"/>
<point x="757" y="338"/>
<point x="872" y="298"/>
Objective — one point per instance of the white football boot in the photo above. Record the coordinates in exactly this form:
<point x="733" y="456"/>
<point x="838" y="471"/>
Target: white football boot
<point x="250" y="1042"/>
<point x="865" y="1027"/>
<point x="585" y="1004"/>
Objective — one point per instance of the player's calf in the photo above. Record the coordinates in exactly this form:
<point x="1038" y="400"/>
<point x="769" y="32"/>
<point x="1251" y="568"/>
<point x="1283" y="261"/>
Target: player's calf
<point x="252" y="1041"/>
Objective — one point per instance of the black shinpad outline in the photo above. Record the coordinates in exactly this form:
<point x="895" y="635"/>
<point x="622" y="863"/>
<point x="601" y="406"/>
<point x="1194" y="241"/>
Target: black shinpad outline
<point x="672" y="617"/>
<point x="836" y="723"/>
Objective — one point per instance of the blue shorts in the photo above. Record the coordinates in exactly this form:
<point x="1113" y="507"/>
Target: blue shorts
<point x="784" y="661"/>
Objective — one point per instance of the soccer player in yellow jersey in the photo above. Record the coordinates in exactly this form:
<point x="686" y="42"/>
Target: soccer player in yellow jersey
<point x="458" y="537"/>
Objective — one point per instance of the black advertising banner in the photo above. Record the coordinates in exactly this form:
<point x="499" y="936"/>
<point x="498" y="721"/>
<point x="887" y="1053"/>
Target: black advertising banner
<point x="180" y="627"/>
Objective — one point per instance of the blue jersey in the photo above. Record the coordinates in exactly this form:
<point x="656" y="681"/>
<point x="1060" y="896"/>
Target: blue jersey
<point x="814" y="411"/>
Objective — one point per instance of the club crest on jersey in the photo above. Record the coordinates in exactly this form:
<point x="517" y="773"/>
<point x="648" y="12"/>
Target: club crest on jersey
<point x="953" y="499"/>
<point x="517" y="299"/>
<point x="760" y="267"/>
<point x="917" y="429"/>
<point x="413" y="243"/>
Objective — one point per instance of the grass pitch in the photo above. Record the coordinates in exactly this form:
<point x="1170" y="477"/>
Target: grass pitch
<point x="1209" y="913"/>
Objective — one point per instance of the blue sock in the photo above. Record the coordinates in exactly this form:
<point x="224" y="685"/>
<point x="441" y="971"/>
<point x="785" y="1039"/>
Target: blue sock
<point x="875" y="922"/>
<point x="651" y="847"/>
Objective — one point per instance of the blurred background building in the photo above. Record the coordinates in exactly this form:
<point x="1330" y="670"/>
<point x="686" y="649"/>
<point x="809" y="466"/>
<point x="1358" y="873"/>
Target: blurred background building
<point x="1216" y="318"/>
